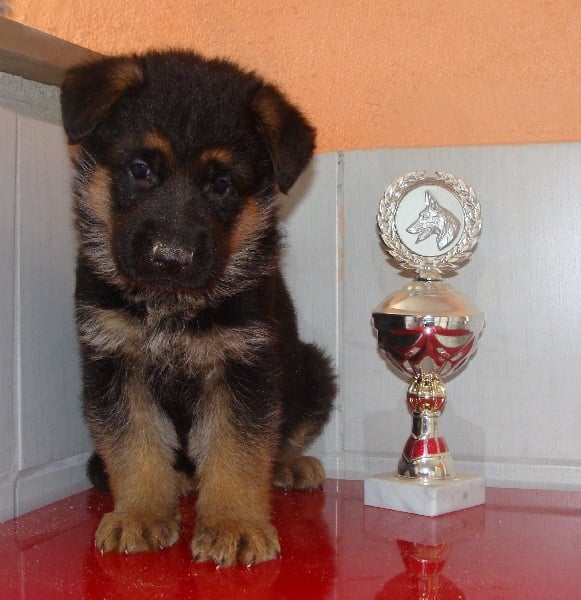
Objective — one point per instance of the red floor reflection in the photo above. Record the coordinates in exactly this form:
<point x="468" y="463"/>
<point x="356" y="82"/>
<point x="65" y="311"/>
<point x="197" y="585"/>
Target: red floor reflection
<point x="522" y="544"/>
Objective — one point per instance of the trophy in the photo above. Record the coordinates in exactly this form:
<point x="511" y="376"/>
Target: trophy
<point x="430" y="223"/>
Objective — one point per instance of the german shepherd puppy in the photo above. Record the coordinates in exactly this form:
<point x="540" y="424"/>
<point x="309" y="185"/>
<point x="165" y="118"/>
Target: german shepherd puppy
<point x="193" y="374"/>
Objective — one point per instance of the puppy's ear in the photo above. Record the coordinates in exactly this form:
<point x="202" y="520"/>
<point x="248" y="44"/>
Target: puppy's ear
<point x="89" y="91"/>
<point x="289" y="136"/>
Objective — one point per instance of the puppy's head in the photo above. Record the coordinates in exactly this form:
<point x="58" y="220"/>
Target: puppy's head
<point x="181" y="158"/>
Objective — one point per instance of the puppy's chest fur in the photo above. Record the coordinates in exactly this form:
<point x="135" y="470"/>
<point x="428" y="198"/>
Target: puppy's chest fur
<point x="192" y="346"/>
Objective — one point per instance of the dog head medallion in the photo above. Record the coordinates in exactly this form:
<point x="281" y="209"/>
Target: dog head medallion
<point x="429" y="222"/>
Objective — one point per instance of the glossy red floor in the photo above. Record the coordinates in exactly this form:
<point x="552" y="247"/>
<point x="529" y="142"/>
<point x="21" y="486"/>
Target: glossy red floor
<point x="522" y="544"/>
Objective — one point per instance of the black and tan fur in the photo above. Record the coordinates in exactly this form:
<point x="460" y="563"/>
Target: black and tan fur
<point x="193" y="374"/>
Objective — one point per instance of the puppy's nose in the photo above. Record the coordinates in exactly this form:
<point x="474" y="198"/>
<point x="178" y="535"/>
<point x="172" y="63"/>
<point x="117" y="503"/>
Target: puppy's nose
<point x="171" y="259"/>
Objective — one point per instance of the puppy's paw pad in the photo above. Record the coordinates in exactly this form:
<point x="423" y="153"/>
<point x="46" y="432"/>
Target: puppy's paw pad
<point x="232" y="542"/>
<point x="298" y="473"/>
<point x="129" y="533"/>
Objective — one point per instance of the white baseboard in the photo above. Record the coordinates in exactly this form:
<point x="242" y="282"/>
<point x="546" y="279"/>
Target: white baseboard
<point x="42" y="485"/>
<point x="528" y="475"/>
<point x="7" y="509"/>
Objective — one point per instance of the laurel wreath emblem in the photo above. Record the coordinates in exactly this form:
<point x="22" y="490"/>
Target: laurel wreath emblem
<point x="462" y="249"/>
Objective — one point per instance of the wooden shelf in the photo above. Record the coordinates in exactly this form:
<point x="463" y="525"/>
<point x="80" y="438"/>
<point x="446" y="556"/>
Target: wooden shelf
<point x="36" y="55"/>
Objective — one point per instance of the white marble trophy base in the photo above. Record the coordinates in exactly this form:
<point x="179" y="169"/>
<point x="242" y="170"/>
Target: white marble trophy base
<point x="389" y="490"/>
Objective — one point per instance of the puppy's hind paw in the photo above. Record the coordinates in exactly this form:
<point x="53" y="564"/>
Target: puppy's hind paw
<point x="297" y="472"/>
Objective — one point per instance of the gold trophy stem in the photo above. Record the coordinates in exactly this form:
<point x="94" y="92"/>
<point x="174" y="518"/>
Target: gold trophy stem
<point x="425" y="455"/>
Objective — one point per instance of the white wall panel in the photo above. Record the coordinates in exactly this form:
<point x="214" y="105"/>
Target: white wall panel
<point x="8" y="440"/>
<point x="51" y="424"/>
<point x="54" y="439"/>
<point x="310" y="215"/>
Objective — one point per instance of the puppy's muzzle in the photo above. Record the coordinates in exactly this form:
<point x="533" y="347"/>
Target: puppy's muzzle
<point x="171" y="259"/>
<point x="184" y="257"/>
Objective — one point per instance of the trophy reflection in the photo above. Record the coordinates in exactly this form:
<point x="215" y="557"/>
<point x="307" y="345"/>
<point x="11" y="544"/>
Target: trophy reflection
<point x="429" y="222"/>
<point x="423" y="579"/>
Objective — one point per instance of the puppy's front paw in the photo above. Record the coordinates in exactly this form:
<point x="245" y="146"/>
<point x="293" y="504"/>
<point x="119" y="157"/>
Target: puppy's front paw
<point x="129" y="533"/>
<point x="298" y="472"/>
<point x="231" y="542"/>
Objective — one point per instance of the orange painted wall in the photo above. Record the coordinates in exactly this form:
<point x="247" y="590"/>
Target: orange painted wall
<point x="370" y="74"/>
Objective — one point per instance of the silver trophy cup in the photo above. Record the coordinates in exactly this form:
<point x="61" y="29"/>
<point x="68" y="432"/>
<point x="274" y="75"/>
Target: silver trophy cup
<point x="429" y="222"/>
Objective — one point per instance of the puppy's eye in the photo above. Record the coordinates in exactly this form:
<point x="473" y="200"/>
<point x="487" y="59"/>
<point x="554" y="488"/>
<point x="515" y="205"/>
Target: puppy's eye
<point x="140" y="170"/>
<point x="220" y="186"/>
